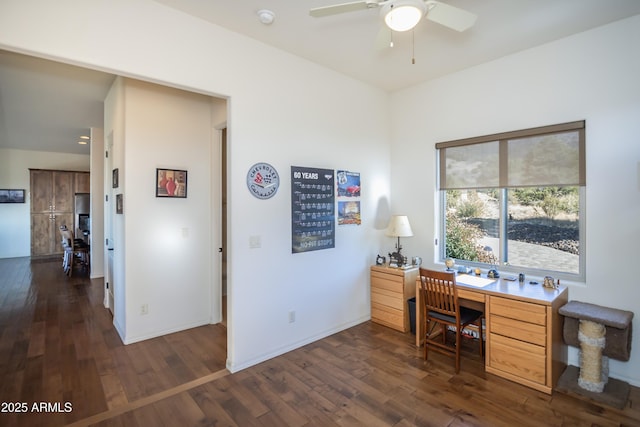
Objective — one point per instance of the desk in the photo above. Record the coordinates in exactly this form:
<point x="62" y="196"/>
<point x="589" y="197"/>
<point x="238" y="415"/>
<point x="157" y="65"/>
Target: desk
<point x="523" y="330"/>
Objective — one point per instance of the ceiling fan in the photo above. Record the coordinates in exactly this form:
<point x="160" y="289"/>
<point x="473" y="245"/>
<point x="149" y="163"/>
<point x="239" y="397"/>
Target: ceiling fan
<point x="403" y="15"/>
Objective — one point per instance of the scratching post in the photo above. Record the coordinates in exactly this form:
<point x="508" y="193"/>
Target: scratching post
<point x="601" y="333"/>
<point x="592" y="375"/>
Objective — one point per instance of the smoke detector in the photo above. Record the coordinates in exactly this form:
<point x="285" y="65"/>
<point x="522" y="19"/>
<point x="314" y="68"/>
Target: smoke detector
<point x="266" y="16"/>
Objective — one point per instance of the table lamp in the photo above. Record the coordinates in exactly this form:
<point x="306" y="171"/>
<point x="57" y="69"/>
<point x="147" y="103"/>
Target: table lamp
<point x="399" y="227"/>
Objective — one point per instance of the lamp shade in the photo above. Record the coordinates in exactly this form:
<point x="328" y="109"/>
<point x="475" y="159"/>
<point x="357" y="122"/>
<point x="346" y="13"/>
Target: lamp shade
<point x="403" y="15"/>
<point x="399" y="227"/>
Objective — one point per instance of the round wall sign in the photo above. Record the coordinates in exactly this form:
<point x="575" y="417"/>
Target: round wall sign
<point x="263" y="180"/>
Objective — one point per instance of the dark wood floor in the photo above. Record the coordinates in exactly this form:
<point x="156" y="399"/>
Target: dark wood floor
<point x="58" y="346"/>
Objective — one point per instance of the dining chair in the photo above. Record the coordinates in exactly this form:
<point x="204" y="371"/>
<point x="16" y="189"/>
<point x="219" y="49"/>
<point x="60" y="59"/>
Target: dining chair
<point x="76" y="251"/>
<point x="442" y="308"/>
<point x="67" y="248"/>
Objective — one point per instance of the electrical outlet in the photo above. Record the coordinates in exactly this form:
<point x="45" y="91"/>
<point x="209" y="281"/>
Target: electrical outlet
<point x="292" y="316"/>
<point x="144" y="309"/>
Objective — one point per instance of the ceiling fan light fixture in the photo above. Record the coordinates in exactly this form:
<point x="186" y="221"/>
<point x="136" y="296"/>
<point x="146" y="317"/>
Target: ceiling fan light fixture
<point x="403" y="15"/>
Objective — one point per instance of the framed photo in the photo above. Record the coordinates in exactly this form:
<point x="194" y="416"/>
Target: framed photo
<point x="119" y="207"/>
<point x="115" y="178"/>
<point x="11" y="196"/>
<point x="171" y="183"/>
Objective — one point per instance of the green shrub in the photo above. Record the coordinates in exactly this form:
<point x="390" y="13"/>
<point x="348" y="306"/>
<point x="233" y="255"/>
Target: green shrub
<point x="471" y="207"/>
<point x="551" y="206"/>
<point x="552" y="200"/>
<point x="461" y="238"/>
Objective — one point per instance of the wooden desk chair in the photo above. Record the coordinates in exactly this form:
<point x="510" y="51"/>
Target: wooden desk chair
<point x="440" y="303"/>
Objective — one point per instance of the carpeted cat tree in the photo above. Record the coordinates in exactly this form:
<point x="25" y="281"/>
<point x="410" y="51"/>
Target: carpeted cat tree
<point x="601" y="333"/>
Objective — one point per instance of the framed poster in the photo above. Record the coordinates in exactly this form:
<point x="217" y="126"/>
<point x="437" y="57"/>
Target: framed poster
<point x="11" y="196"/>
<point x="313" y="216"/>
<point x="348" y="184"/>
<point x="171" y="183"/>
<point x="115" y="178"/>
<point x="119" y="204"/>
<point x="348" y="189"/>
<point x="349" y="212"/>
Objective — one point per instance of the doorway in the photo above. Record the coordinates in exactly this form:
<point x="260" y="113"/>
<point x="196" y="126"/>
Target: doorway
<point x="223" y="222"/>
<point x="108" y="228"/>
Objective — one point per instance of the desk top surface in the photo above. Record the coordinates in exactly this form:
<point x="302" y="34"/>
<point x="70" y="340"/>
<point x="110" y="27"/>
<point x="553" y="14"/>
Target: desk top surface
<point x="400" y="271"/>
<point x="497" y="287"/>
<point x="514" y="289"/>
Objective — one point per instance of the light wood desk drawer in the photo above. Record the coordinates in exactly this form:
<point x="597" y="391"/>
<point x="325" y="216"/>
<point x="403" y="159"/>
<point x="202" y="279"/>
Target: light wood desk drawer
<point x="470" y="295"/>
<point x="388" y="316"/>
<point x="519" y="310"/>
<point x="517" y="329"/>
<point x="386" y="297"/>
<point x="524" y="360"/>
<point x="387" y="281"/>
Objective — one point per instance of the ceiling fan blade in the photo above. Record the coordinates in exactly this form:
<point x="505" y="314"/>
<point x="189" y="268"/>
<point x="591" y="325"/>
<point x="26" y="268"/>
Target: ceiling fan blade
<point x="450" y="16"/>
<point x="335" y="9"/>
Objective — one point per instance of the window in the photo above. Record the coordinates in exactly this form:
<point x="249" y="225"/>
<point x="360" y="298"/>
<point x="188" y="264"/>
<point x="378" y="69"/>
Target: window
<point x="516" y="200"/>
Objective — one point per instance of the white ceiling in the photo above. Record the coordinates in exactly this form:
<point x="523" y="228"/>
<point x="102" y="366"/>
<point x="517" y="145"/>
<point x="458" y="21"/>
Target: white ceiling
<point x="47" y="106"/>
<point x="348" y="42"/>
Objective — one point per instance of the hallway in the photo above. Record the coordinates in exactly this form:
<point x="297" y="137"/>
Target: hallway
<point x="58" y="346"/>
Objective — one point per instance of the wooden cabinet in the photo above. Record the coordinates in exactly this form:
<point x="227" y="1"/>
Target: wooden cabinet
<point x="390" y="290"/>
<point x="45" y="233"/>
<point x="82" y="182"/>
<point x="524" y="341"/>
<point x="51" y="191"/>
<point x="52" y="204"/>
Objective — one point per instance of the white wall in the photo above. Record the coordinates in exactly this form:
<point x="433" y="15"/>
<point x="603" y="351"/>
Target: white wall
<point x="167" y="241"/>
<point x="114" y="143"/>
<point x="15" y="227"/>
<point x="283" y="110"/>
<point x="591" y="76"/>
<point x="97" y="203"/>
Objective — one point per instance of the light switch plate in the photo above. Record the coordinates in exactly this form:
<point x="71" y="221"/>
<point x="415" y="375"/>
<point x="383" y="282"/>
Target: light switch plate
<point x="255" y="242"/>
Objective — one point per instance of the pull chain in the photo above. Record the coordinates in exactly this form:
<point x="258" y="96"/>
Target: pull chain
<point x="413" y="46"/>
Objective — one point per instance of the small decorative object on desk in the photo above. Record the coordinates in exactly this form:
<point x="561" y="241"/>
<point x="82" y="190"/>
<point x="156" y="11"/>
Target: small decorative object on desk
<point x="464" y="270"/>
<point x="521" y="277"/>
<point x="380" y="260"/>
<point x="396" y="260"/>
<point x="489" y="257"/>
<point x="449" y="262"/>
<point x="416" y="261"/>
<point x="549" y="282"/>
